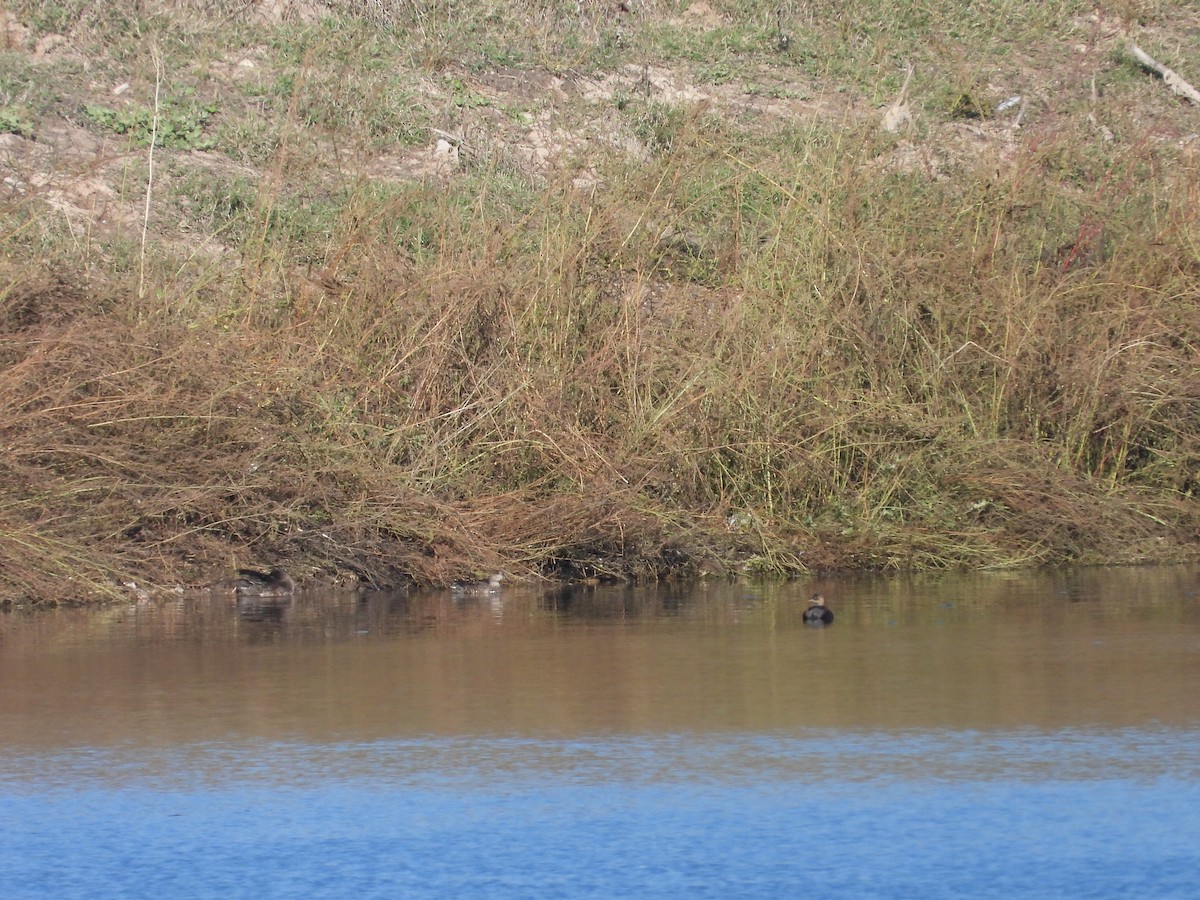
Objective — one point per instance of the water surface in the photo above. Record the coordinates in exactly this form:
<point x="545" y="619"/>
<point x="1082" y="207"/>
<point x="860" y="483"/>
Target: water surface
<point x="988" y="735"/>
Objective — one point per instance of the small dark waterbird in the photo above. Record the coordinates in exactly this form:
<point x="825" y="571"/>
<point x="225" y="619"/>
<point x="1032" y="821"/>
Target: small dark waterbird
<point x="252" y="583"/>
<point x="492" y="585"/>
<point x="818" y="613"/>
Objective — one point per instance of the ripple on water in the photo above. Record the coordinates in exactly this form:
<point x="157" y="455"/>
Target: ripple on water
<point x="871" y="814"/>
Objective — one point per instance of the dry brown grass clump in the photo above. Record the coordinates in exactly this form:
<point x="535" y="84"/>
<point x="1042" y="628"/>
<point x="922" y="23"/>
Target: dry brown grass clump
<point x="727" y="353"/>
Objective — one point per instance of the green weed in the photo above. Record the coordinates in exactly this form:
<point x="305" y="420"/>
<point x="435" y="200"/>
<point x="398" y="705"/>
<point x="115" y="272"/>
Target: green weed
<point x="175" y="126"/>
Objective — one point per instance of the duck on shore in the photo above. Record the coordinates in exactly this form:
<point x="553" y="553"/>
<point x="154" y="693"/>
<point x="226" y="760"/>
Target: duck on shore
<point x="492" y="585"/>
<point x="252" y="583"/>
<point x="817" y="613"/>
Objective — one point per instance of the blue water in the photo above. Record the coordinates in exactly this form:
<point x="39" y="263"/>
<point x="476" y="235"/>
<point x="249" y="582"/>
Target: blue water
<point x="1069" y="813"/>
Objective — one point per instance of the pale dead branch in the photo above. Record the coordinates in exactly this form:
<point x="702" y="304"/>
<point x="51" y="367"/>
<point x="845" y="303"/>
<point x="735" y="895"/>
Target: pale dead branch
<point x="1172" y="78"/>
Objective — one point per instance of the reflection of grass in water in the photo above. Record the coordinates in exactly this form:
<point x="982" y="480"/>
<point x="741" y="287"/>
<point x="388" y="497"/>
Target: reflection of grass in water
<point x="758" y="346"/>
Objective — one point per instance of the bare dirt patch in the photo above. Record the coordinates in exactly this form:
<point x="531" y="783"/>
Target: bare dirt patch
<point x="698" y="15"/>
<point x="71" y="171"/>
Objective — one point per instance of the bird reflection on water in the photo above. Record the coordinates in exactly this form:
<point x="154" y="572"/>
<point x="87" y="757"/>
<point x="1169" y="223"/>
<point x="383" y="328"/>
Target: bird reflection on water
<point x="273" y="610"/>
<point x="264" y="596"/>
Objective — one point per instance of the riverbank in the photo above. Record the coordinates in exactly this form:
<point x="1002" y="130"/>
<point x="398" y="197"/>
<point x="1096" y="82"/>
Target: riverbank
<point x="391" y="295"/>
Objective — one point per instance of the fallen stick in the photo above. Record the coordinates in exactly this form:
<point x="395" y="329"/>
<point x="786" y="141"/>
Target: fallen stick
<point x="898" y="114"/>
<point x="1172" y="78"/>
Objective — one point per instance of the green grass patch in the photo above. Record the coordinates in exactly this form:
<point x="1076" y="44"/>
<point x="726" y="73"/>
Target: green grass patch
<point x="176" y="125"/>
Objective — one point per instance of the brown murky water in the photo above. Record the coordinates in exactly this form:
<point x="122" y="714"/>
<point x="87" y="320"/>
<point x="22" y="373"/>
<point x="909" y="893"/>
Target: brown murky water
<point x="1089" y="648"/>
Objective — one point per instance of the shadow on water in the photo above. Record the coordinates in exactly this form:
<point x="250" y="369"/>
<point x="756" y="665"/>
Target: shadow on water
<point x="584" y="602"/>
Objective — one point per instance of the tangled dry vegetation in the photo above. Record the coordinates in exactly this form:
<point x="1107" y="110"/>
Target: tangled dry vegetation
<point x="383" y="292"/>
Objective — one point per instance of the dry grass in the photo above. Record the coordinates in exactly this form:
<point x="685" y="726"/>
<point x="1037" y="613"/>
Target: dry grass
<point x="730" y="354"/>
